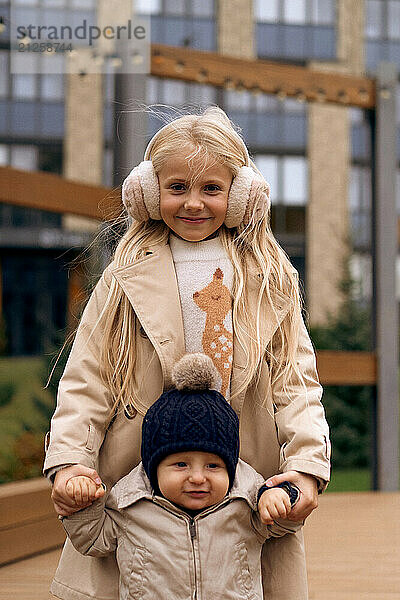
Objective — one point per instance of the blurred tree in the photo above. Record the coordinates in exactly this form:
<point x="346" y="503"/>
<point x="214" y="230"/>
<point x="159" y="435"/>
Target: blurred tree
<point x="348" y="408"/>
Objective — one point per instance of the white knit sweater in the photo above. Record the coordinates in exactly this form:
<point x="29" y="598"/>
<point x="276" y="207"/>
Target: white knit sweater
<point x="205" y="276"/>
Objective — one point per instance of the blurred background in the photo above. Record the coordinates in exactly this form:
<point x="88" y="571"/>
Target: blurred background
<point x="318" y="159"/>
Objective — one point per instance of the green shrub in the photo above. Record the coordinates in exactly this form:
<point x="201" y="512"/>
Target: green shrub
<point x="7" y="390"/>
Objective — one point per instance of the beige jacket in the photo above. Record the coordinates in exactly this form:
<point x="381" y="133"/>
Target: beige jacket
<point x="164" y="553"/>
<point x="276" y="435"/>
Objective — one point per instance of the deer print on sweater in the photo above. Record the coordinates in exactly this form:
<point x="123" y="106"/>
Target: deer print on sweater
<point x="215" y="301"/>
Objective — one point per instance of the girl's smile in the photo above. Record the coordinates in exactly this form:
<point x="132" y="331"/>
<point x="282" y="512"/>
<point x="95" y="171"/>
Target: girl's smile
<point x="193" y="211"/>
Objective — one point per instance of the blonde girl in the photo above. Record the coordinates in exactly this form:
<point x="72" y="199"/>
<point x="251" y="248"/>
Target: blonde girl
<point x="198" y="269"/>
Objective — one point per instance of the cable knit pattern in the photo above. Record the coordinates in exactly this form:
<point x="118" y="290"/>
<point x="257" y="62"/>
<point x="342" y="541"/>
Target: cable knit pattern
<point x="205" y="277"/>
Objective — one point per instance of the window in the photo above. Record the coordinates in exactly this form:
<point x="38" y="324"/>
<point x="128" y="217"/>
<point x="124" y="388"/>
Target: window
<point x="173" y="92"/>
<point x="147" y="7"/>
<point x="268" y="165"/>
<point x="175" y="7"/>
<point x="4" y="74"/>
<point x="4" y="155"/>
<point x="360" y="194"/>
<point x="24" y="157"/>
<point x="393" y="8"/>
<point x="374" y="18"/>
<point x="266" y="11"/>
<point x="361" y="273"/>
<point x="382" y="20"/>
<point x="52" y="87"/>
<point x="234" y="100"/>
<point x="200" y="93"/>
<point x="108" y="170"/>
<point x="323" y="12"/>
<point x="203" y="8"/>
<point x="24" y="86"/>
<point x="287" y="176"/>
<point x="261" y="103"/>
<point x="83" y="4"/>
<point x="295" y="180"/>
<point x="294" y="11"/>
<point x="53" y="3"/>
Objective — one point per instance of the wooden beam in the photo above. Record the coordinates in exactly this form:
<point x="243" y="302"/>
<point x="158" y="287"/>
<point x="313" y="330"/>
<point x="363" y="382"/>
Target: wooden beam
<point x="28" y="522"/>
<point x="264" y="76"/>
<point x="346" y="368"/>
<point x="46" y="191"/>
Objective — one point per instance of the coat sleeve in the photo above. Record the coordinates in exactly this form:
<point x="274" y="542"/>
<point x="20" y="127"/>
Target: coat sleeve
<point x="302" y="429"/>
<point x="92" y="531"/>
<point x="278" y="528"/>
<point x="83" y="402"/>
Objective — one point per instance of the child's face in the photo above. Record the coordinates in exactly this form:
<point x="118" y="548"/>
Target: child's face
<point x="193" y="480"/>
<point x="193" y="212"/>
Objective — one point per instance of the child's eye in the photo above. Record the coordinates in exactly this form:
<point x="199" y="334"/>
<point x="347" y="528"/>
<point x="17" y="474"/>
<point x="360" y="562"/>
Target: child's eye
<point x="212" y="187"/>
<point x="180" y="464"/>
<point x="177" y="187"/>
<point x="213" y="466"/>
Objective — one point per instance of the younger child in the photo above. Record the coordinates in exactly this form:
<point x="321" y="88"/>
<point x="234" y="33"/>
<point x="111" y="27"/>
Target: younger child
<point x="184" y="522"/>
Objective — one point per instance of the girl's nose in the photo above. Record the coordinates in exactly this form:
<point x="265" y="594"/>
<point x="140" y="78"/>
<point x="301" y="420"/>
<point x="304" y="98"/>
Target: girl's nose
<point x="193" y="201"/>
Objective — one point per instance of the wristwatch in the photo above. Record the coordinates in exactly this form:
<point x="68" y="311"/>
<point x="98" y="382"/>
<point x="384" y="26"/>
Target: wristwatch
<point x="292" y="491"/>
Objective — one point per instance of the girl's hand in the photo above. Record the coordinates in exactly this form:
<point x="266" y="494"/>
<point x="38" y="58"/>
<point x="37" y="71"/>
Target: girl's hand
<point x="64" y="505"/>
<point x="308" y="487"/>
<point x="82" y="490"/>
<point x="273" y="504"/>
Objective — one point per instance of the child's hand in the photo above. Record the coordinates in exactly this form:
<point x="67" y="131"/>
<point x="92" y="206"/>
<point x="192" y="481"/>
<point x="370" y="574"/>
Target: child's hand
<point x="82" y="489"/>
<point x="64" y="505"/>
<point x="273" y="504"/>
<point x="308" y="486"/>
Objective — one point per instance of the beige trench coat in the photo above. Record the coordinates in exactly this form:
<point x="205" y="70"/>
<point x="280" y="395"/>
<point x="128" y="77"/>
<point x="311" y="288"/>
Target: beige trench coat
<point x="276" y="435"/>
<point x="164" y="553"/>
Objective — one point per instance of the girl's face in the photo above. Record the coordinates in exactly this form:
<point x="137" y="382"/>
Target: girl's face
<point x="193" y="212"/>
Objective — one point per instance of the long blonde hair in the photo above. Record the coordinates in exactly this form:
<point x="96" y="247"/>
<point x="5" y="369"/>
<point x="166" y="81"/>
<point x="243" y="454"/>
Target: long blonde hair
<point x="210" y="136"/>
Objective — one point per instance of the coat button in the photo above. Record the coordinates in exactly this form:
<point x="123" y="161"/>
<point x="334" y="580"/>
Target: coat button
<point x="142" y="332"/>
<point x="130" y="411"/>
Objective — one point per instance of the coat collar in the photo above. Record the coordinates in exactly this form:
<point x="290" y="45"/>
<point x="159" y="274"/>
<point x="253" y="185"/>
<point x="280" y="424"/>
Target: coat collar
<point x="151" y="287"/>
<point x="150" y="284"/>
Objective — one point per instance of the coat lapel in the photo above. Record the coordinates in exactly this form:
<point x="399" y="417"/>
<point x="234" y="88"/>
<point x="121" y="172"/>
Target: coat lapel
<point x="151" y="287"/>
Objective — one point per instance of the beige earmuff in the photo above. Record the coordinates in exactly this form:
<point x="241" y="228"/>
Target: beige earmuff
<point x="248" y="196"/>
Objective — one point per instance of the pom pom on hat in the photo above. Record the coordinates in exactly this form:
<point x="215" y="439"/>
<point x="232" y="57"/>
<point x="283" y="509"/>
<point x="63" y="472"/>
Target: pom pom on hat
<point x="194" y="372"/>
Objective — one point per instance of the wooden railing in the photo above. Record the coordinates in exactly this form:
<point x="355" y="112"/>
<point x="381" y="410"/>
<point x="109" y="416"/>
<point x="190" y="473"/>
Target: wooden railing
<point x="28" y="523"/>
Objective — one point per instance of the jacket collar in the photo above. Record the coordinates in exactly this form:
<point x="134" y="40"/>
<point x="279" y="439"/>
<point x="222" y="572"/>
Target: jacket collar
<point x="150" y="283"/>
<point x="136" y="486"/>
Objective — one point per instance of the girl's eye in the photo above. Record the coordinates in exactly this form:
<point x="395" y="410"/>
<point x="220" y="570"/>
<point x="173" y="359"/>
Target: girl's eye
<point x="177" y="187"/>
<point x="181" y="464"/>
<point x="213" y="466"/>
<point x="212" y="187"/>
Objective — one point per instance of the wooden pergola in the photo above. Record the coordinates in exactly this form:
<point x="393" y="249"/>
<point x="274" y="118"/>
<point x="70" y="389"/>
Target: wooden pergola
<point x="378" y="368"/>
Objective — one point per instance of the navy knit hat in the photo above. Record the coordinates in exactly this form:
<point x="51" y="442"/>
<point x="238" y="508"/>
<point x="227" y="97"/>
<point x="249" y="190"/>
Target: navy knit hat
<point x="190" y="417"/>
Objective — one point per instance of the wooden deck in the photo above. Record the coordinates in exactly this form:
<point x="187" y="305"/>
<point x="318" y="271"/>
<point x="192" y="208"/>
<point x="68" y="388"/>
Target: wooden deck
<point x="353" y="553"/>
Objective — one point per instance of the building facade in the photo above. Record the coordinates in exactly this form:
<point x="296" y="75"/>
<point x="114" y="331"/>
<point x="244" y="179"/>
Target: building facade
<point x="316" y="158"/>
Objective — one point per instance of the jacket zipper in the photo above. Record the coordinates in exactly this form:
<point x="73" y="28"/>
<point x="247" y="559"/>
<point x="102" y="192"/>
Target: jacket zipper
<point x="192" y="531"/>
